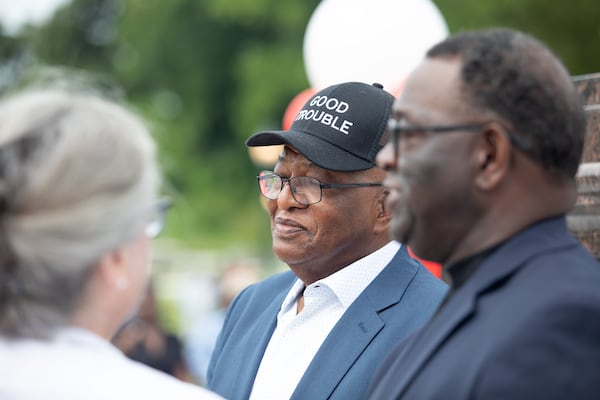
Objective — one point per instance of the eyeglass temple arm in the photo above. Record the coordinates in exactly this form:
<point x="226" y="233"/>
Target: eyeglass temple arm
<point x="345" y="185"/>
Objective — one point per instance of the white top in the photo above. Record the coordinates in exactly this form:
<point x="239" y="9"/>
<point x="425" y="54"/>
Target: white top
<point x="297" y="337"/>
<point x="77" y="364"/>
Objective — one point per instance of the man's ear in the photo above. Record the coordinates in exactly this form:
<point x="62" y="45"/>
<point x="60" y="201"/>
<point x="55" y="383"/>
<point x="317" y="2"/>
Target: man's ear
<point x="492" y="157"/>
<point x="383" y="215"/>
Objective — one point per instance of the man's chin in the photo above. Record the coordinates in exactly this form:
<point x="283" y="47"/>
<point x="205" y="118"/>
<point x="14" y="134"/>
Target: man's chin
<point x="400" y="230"/>
<point x="287" y="252"/>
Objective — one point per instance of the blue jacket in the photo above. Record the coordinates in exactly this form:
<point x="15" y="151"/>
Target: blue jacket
<point x="398" y="301"/>
<point x="525" y="325"/>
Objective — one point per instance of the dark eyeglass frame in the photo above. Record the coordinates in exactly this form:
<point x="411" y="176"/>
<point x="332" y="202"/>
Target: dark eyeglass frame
<point x="156" y="224"/>
<point x="264" y="175"/>
<point x="396" y="129"/>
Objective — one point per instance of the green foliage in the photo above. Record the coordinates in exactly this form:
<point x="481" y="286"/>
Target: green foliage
<point x="209" y="73"/>
<point x="571" y="30"/>
<point x="82" y="35"/>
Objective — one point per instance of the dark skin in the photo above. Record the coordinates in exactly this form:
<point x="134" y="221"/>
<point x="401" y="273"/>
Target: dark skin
<point x="455" y="194"/>
<point x="318" y="240"/>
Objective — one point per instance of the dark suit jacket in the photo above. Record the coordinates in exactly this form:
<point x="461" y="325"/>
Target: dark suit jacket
<point x="400" y="299"/>
<point x="525" y="325"/>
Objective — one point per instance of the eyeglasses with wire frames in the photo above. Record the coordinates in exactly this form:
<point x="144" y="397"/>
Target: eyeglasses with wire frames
<point x="397" y="129"/>
<point x="156" y="223"/>
<point x="305" y="189"/>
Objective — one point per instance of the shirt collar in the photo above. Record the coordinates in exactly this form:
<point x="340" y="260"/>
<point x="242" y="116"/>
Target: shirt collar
<point x="292" y="296"/>
<point x="349" y="282"/>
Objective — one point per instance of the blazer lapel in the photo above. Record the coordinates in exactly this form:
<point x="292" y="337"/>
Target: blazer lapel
<point x="355" y="330"/>
<point x="426" y="341"/>
<point x="342" y="347"/>
<point x="511" y="256"/>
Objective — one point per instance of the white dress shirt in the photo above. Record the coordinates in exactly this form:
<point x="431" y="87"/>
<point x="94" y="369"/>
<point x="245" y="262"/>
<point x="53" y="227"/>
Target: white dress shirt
<point x="78" y="365"/>
<point x="298" y="337"/>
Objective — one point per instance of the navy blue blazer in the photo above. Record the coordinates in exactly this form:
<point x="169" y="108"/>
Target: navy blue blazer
<point x="525" y="325"/>
<point x="398" y="301"/>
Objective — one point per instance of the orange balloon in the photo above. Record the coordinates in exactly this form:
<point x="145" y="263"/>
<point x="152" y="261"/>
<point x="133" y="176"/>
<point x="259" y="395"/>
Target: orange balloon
<point x="295" y="106"/>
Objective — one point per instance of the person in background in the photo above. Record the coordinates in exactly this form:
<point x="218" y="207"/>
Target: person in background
<point x="78" y="207"/>
<point x="487" y="139"/>
<point x="200" y="341"/>
<point x="144" y="339"/>
<point x="319" y="330"/>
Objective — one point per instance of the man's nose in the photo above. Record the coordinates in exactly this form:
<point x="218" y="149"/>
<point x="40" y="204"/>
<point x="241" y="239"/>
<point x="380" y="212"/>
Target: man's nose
<point x="286" y="198"/>
<point x="386" y="158"/>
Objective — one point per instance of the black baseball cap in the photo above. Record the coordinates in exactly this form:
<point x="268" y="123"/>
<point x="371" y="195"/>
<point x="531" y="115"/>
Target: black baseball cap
<point x="340" y="128"/>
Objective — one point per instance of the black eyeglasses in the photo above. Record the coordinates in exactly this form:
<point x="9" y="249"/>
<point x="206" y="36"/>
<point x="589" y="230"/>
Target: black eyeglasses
<point x="398" y="129"/>
<point x="157" y="219"/>
<point x="305" y="189"/>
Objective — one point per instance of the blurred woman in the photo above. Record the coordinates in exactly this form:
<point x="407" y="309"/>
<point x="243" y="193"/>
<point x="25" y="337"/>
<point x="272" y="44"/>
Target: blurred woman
<point x="78" y="206"/>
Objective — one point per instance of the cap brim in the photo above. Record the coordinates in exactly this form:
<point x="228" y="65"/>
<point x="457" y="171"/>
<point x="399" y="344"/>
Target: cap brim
<point x="317" y="150"/>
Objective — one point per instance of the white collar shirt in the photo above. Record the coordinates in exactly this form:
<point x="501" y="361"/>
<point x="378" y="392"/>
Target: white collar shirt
<point x="298" y="337"/>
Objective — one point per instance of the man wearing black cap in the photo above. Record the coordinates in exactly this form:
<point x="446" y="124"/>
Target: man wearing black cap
<point x="319" y="330"/>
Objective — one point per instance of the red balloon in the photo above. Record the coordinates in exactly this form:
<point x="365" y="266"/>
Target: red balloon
<point x="295" y="106"/>
<point x="433" y="267"/>
<point x="396" y="91"/>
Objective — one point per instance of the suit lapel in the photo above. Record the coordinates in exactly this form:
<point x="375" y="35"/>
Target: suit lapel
<point x="355" y="330"/>
<point x="339" y="351"/>
<point x="511" y="256"/>
<point x="426" y="341"/>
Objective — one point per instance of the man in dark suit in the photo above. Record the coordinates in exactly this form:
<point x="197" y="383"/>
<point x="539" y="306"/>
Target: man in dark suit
<point x="487" y="138"/>
<point x="319" y="330"/>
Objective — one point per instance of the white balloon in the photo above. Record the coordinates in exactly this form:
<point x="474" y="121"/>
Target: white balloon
<point x="369" y="40"/>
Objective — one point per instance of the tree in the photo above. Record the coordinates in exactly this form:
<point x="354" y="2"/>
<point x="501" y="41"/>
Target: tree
<point x="209" y="73"/>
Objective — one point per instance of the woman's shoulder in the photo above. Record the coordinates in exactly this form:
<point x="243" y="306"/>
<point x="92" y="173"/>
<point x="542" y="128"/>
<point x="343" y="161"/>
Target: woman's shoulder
<point x="84" y="370"/>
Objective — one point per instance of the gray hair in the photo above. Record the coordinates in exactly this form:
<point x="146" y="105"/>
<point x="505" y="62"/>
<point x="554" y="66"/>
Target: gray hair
<point x="78" y="178"/>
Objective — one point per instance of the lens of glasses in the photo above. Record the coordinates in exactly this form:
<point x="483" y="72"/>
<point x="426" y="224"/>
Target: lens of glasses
<point x="270" y="184"/>
<point x="157" y="221"/>
<point x="392" y="126"/>
<point x="305" y="190"/>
